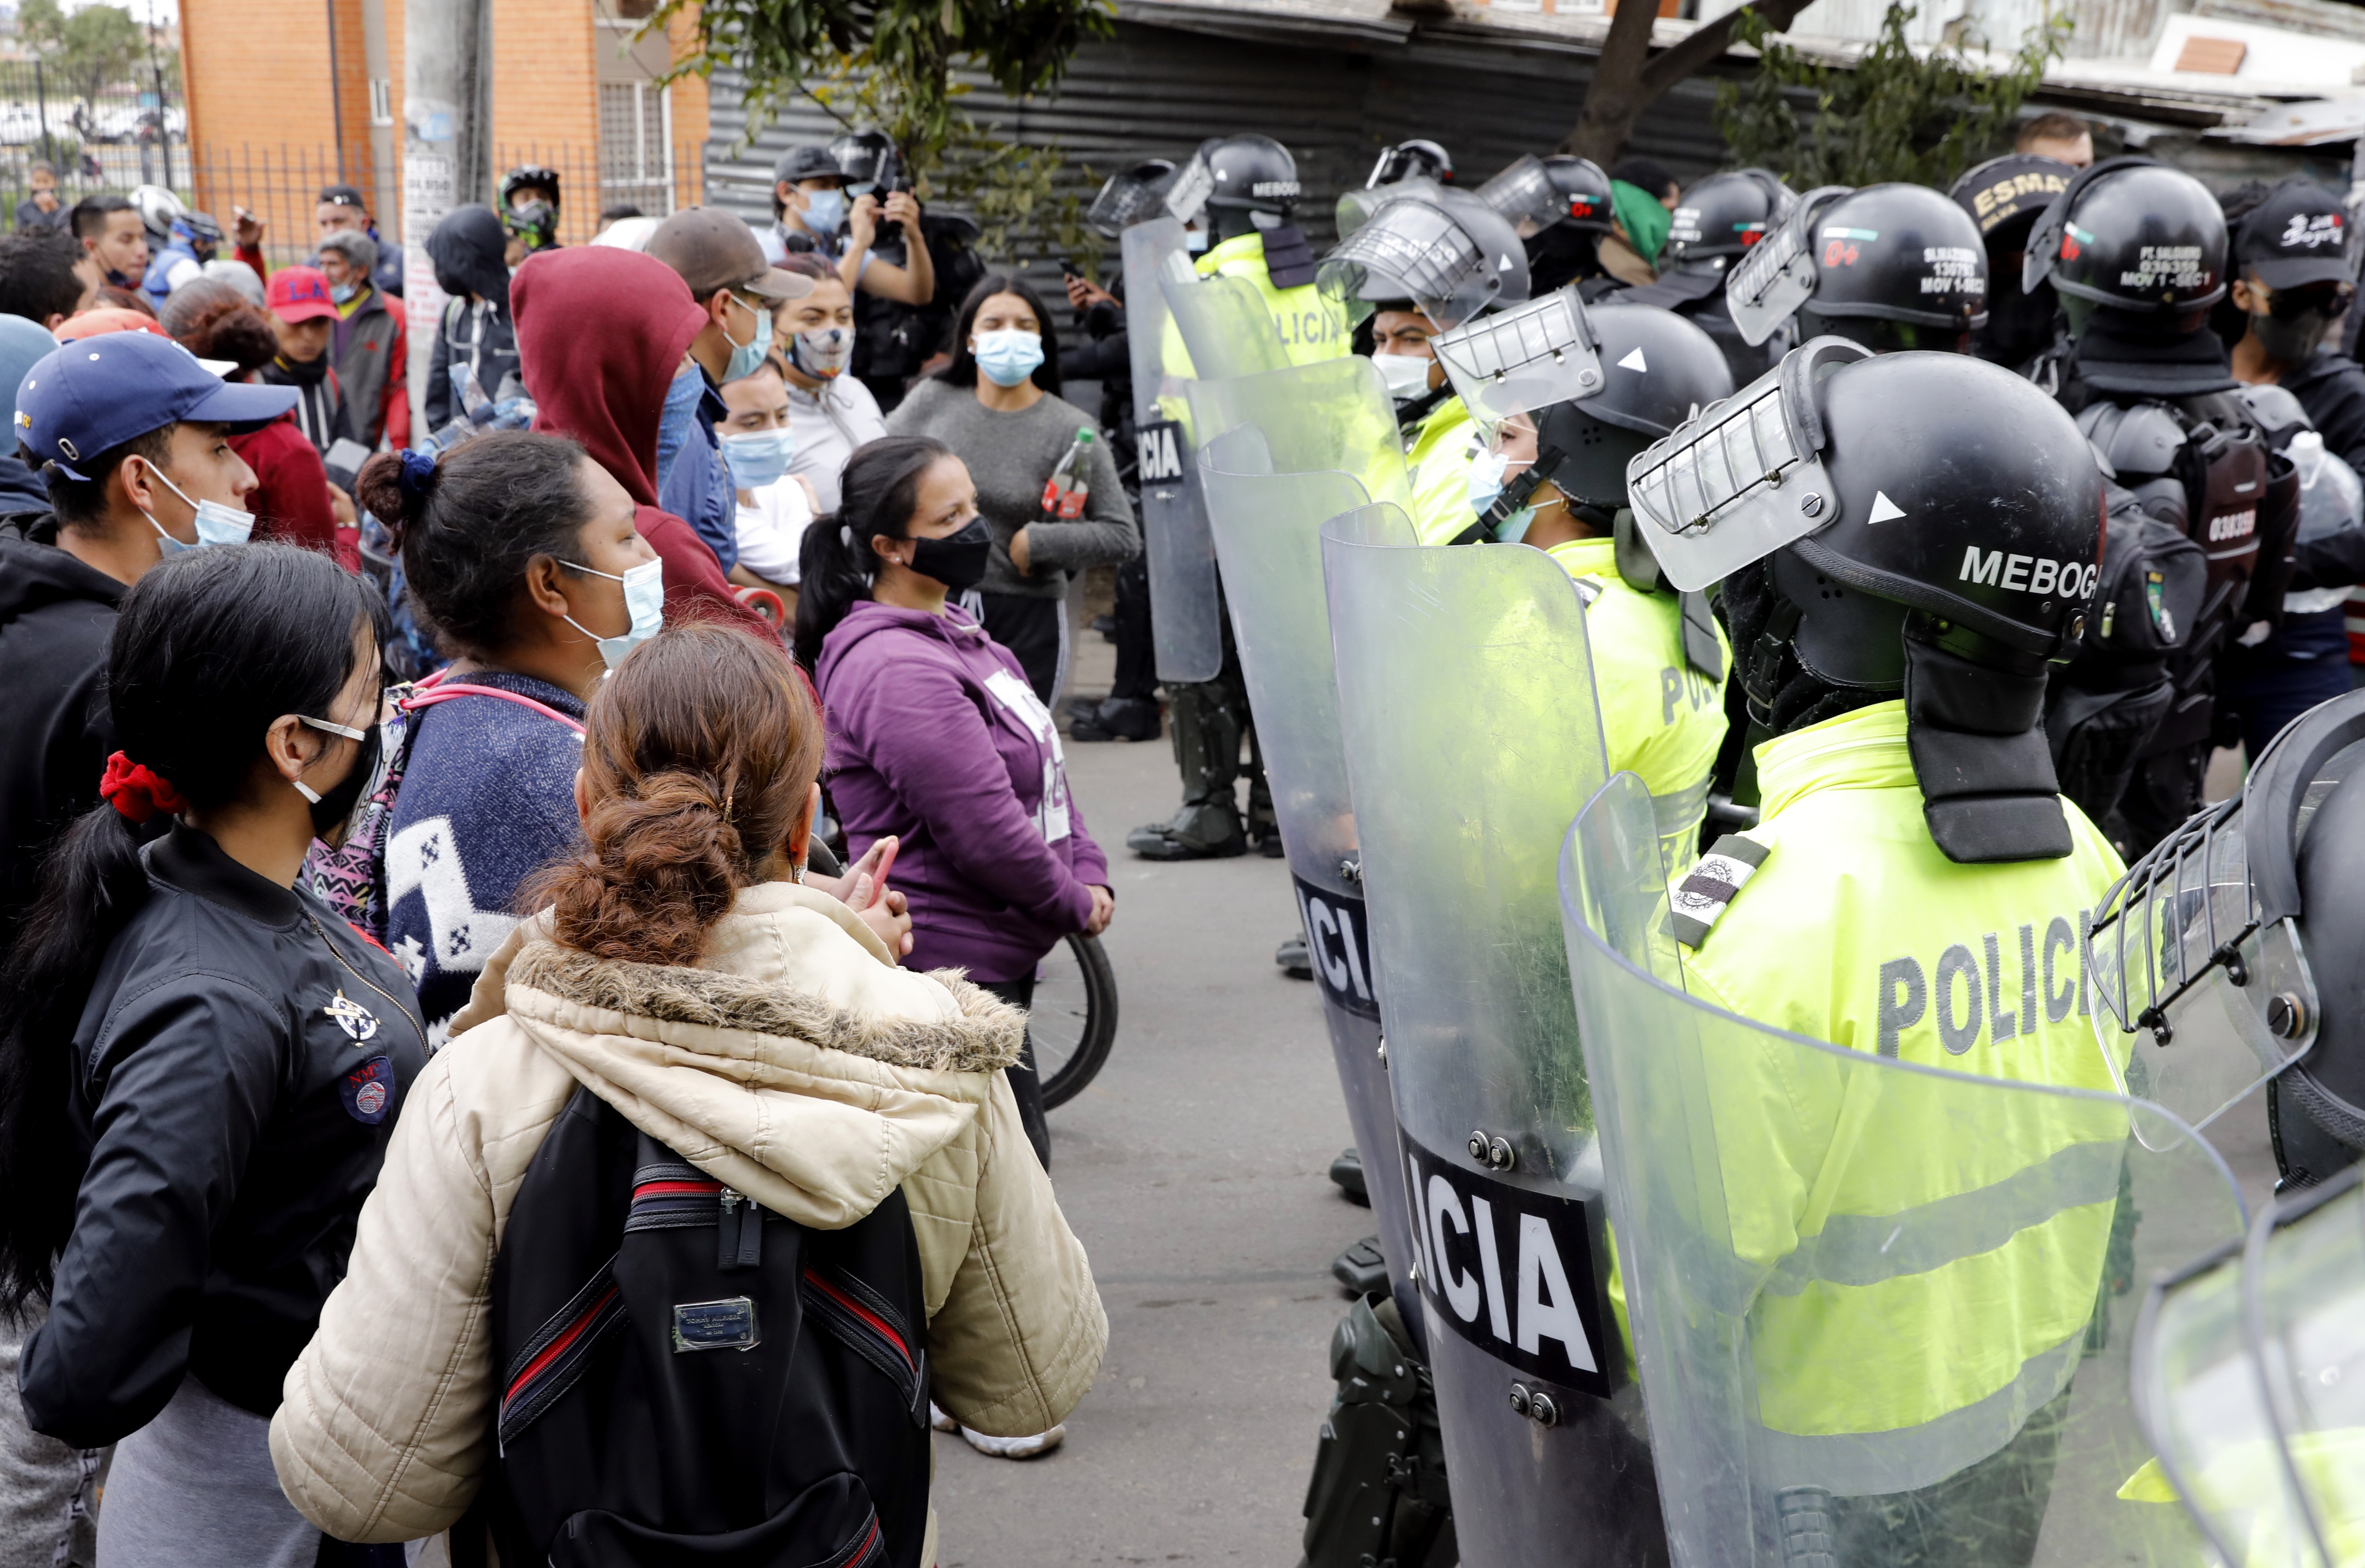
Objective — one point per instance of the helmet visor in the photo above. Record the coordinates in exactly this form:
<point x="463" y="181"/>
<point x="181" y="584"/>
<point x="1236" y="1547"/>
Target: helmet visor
<point x="1743" y="478"/>
<point x="1408" y="250"/>
<point x="1356" y="208"/>
<point x="1124" y="201"/>
<point x="1524" y="360"/>
<point x="1187" y="197"/>
<point x="1525" y="194"/>
<point x="2195" y="1000"/>
<point x="1778" y="274"/>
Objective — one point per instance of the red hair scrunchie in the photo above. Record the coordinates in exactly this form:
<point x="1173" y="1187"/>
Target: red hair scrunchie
<point x="136" y="791"/>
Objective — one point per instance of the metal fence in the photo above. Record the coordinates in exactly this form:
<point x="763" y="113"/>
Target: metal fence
<point x="109" y="137"/>
<point x="281" y="184"/>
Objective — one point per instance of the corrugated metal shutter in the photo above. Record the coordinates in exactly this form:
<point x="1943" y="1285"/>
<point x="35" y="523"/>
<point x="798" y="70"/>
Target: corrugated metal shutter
<point x="1153" y="91"/>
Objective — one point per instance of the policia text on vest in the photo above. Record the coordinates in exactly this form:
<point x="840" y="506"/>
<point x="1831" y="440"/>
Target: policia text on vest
<point x="1979" y="987"/>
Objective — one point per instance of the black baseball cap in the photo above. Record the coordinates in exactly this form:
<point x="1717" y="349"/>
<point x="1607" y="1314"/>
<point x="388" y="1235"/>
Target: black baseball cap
<point x="2295" y="237"/>
<point x="94" y="393"/>
<point x="806" y="163"/>
<point x="342" y="196"/>
<point x="2016" y="186"/>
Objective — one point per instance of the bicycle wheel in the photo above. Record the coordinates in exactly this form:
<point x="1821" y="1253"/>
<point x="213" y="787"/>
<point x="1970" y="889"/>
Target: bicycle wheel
<point x="1074" y="1021"/>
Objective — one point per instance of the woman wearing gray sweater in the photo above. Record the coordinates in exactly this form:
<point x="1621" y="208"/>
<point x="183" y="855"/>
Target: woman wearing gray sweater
<point x="998" y="407"/>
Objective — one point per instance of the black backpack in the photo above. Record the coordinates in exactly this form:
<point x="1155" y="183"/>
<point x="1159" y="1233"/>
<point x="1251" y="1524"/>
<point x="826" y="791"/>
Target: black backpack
<point x="687" y="1378"/>
<point x="2108" y="707"/>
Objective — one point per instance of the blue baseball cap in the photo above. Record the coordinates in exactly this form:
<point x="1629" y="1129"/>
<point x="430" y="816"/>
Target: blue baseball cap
<point x="94" y="394"/>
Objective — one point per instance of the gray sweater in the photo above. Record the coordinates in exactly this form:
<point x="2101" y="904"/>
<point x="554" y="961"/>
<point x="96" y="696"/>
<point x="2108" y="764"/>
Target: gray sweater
<point x="1011" y="457"/>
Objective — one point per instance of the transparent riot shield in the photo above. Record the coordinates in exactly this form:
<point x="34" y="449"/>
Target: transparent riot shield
<point x="1465" y="702"/>
<point x="1225" y="327"/>
<point x="1185" y="628"/>
<point x="1881" y="1314"/>
<point x="1299" y="446"/>
<point x="2250" y="1379"/>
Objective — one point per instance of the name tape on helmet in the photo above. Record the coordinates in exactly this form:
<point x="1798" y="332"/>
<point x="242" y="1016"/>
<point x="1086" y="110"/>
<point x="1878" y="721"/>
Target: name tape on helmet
<point x="1273" y="188"/>
<point x="1954" y="269"/>
<point x="2168" y="266"/>
<point x="2039" y="574"/>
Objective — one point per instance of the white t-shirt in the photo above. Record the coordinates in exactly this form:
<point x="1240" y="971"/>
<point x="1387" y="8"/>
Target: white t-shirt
<point x="830" y="421"/>
<point x="772" y="531"/>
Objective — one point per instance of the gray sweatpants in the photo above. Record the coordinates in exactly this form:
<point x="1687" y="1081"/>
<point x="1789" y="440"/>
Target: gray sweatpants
<point x="49" y="1492"/>
<point x="195" y="1488"/>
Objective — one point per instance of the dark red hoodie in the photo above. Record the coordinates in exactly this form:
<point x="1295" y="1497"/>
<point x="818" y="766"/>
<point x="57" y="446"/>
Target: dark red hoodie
<point x="600" y="333"/>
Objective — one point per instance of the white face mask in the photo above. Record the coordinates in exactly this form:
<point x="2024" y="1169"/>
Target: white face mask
<point x="1407" y="375"/>
<point x="217" y="523"/>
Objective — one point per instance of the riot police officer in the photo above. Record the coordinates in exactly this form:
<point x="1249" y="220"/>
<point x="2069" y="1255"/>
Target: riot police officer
<point x="1889" y="266"/>
<point x="1897" y="584"/>
<point x="1436" y="258"/>
<point x="2136" y="253"/>
<point x="1560" y="207"/>
<point x="2003" y="196"/>
<point x="1240" y="192"/>
<point x="1558" y="467"/>
<point x="1419" y="157"/>
<point x="1715" y="223"/>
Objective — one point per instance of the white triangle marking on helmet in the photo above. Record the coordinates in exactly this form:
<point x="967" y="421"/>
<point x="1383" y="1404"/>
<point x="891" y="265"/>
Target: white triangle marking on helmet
<point x="1883" y="508"/>
<point x="1503" y="264"/>
<point x="1634" y="361"/>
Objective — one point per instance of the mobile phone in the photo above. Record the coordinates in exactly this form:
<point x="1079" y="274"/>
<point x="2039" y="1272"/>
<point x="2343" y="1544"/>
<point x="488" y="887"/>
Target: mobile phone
<point x="1068" y="268"/>
<point x="344" y="461"/>
<point x="886" y="863"/>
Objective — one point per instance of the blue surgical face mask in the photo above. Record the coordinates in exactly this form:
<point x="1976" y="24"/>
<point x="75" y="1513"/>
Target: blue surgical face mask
<point x="1487" y="479"/>
<point x="747" y="358"/>
<point x="825" y="210"/>
<point x="861" y="188"/>
<point x="1514" y="528"/>
<point x="644" y="600"/>
<point x="757" y="458"/>
<point x="343" y="292"/>
<point x="1010" y="356"/>
<point x="217" y="523"/>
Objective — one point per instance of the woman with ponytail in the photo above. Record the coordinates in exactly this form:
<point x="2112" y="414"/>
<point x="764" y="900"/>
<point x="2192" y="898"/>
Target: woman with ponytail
<point x="199" y="1066"/>
<point x="935" y="735"/>
<point x="685" y="975"/>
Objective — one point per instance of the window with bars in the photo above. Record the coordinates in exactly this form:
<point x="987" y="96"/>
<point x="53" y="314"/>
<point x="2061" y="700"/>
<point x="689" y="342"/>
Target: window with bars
<point x="636" y="147"/>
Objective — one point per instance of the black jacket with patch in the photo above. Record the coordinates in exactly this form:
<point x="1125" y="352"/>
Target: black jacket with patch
<point x="56" y="616"/>
<point x="237" y="1070"/>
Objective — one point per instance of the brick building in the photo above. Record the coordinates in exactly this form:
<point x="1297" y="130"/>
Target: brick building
<point x="287" y="95"/>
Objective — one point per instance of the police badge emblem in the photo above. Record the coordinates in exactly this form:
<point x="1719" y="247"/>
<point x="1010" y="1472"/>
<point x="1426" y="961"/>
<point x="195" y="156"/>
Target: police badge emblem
<point x="358" y="1022"/>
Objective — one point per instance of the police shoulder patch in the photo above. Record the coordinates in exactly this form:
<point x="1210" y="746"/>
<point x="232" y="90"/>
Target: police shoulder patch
<point x="1695" y="902"/>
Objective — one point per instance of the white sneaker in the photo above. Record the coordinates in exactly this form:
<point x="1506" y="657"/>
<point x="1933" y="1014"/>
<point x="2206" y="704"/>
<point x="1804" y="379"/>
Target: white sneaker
<point x="1015" y="1448"/>
<point x="939" y="1420"/>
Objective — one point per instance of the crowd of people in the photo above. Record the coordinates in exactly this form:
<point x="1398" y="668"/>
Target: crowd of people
<point x="674" y="712"/>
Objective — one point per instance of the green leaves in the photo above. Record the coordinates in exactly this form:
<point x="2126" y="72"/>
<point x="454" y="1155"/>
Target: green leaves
<point x="93" y="45"/>
<point x="892" y="59"/>
<point x="1898" y="114"/>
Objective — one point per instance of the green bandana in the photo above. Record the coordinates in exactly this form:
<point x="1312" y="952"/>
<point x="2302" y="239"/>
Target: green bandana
<point x="1645" y="221"/>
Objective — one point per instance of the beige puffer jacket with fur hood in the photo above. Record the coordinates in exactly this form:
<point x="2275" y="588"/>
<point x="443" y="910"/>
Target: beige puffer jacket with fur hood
<point x="796" y="1064"/>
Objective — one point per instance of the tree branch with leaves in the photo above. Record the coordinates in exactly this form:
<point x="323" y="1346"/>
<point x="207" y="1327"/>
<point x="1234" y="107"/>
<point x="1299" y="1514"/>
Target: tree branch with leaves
<point x="1627" y="79"/>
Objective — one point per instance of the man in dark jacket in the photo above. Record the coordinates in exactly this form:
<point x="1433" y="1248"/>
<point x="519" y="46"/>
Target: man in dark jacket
<point x="369" y="346"/>
<point x="2291" y="286"/>
<point x="131" y="432"/>
<point x="476" y="333"/>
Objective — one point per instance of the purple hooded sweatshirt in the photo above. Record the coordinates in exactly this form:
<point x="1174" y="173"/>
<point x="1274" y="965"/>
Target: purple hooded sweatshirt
<point x="936" y="736"/>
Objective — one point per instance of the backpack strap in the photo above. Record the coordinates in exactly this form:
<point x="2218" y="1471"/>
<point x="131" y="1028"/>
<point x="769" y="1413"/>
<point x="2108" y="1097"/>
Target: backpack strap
<point x="862" y="1320"/>
<point x="554" y="1357"/>
<point x="445" y="692"/>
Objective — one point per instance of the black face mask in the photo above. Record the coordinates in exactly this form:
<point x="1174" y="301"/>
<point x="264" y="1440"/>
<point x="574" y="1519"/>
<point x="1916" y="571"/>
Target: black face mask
<point x="2019" y="325"/>
<point x="335" y="813"/>
<point x="2290" y="341"/>
<point x="957" y="560"/>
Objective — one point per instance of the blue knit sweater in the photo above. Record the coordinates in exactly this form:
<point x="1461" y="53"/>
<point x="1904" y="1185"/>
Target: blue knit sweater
<point x="488" y="800"/>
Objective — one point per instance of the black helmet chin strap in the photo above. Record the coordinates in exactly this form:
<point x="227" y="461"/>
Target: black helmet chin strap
<point x="1988" y="786"/>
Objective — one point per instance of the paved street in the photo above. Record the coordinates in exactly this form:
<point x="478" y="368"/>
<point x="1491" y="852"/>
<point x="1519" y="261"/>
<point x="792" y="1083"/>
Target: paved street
<point x="1196" y="1171"/>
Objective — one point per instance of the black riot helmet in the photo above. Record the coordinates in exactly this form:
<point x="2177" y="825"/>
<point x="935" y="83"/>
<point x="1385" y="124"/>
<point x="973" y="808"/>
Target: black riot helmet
<point x="1536" y="193"/>
<point x="2237" y="944"/>
<point x="1232" y="177"/>
<point x="2135" y="235"/>
<point x="1446" y="251"/>
<point x="868" y="161"/>
<point x="1920" y="524"/>
<point x="1405" y="160"/>
<point x="2004" y="196"/>
<point x="1725" y="215"/>
<point x="1130" y="196"/>
<point x="1890" y="266"/>
<point x="535" y="221"/>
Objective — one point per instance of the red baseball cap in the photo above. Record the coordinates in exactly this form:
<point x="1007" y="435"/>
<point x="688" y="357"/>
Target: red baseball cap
<point x="300" y="294"/>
